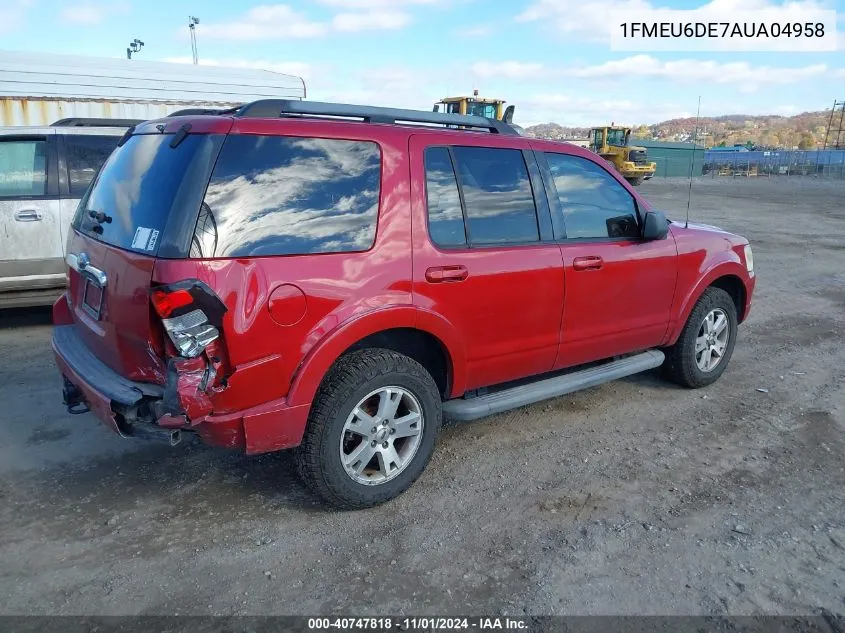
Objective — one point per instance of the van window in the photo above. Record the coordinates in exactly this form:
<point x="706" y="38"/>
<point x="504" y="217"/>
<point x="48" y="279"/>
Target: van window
<point x="85" y="155"/>
<point x="148" y="194"/>
<point x="497" y="194"/>
<point x="23" y="168"/>
<point x="278" y="195"/>
<point x="445" y="218"/>
<point x="593" y="202"/>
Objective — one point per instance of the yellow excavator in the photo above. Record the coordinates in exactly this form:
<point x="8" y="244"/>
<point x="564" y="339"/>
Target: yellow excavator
<point x="612" y="144"/>
<point x="477" y="106"/>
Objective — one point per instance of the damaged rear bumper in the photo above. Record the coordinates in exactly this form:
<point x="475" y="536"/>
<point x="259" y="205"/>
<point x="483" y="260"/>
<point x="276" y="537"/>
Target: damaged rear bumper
<point x="149" y="411"/>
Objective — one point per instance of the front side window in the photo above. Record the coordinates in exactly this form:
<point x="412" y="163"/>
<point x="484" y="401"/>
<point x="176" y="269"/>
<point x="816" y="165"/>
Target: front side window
<point x="497" y="194"/>
<point x="278" y="195"/>
<point x="617" y="137"/>
<point x="594" y="204"/>
<point x="85" y="155"/>
<point x="23" y="168"/>
<point x="482" y="109"/>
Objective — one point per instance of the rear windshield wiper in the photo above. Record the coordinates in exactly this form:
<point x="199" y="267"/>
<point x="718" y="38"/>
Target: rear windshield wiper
<point x="99" y="218"/>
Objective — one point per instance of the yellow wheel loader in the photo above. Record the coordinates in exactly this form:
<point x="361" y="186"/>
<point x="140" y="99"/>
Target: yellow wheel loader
<point x="477" y="106"/>
<point x="611" y="143"/>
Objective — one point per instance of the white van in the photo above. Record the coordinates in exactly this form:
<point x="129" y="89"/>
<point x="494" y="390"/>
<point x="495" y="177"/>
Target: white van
<point x="43" y="173"/>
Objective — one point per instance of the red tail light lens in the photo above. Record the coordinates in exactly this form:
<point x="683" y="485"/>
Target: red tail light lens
<point x="166" y="302"/>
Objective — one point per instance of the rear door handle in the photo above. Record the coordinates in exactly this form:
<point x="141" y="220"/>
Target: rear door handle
<point x="589" y="262"/>
<point x="27" y="215"/>
<point x="440" y="274"/>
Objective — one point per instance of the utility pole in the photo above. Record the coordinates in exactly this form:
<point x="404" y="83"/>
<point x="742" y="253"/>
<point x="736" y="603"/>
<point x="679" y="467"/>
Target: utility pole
<point x="134" y="47"/>
<point x="192" y="26"/>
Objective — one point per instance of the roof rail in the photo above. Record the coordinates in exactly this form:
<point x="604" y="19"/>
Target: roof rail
<point x="271" y="108"/>
<point x="91" y="122"/>
<point x="203" y="111"/>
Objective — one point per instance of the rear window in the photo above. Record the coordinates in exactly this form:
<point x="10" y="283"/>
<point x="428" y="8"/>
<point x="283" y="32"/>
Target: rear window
<point x="148" y="194"/>
<point x="277" y="195"/>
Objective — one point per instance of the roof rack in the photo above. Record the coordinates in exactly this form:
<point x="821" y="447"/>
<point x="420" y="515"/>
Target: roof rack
<point x="271" y="108"/>
<point x="203" y="111"/>
<point x="90" y="122"/>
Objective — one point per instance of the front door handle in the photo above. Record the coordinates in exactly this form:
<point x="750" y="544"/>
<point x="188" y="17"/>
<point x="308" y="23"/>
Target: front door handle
<point x="27" y="215"/>
<point x="440" y="274"/>
<point x="589" y="262"/>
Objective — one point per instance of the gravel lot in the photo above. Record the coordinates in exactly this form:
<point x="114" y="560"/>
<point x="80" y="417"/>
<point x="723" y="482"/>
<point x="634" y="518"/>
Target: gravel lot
<point x="637" y="497"/>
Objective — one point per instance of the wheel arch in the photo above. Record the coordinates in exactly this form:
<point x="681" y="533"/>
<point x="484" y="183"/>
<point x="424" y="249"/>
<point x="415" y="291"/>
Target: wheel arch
<point x="730" y="277"/>
<point x="427" y="338"/>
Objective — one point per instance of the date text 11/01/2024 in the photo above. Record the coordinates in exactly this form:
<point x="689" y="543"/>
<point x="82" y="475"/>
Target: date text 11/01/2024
<point x="419" y="624"/>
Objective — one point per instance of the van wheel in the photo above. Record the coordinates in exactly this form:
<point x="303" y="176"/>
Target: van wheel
<point x="372" y="429"/>
<point x="706" y="343"/>
<point x="635" y="182"/>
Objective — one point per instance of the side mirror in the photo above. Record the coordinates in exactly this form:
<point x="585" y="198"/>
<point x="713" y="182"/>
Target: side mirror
<point x="436" y="107"/>
<point x="508" y="115"/>
<point x="655" y="226"/>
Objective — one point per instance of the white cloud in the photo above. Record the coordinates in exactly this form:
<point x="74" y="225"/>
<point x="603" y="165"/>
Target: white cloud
<point x="509" y="70"/>
<point x="370" y="21"/>
<point x="268" y="21"/>
<point x="479" y="30"/>
<point x="374" y="4"/>
<point x="743" y="74"/>
<point x="585" y="110"/>
<point x="12" y="14"/>
<point x="279" y="21"/>
<point x="88" y="14"/>
<point x="300" y="69"/>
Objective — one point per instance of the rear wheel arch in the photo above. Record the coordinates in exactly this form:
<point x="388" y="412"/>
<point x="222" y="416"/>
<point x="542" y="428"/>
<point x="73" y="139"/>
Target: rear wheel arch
<point x="437" y="349"/>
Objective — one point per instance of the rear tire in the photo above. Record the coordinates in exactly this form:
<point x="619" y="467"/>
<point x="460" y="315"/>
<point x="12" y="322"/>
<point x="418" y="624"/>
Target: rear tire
<point x="363" y="444"/>
<point x="706" y="343"/>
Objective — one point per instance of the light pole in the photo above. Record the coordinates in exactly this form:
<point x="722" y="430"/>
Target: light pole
<point x="192" y="25"/>
<point x="134" y="47"/>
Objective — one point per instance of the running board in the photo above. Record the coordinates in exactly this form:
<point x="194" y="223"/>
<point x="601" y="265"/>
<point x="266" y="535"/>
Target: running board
<point x="482" y="406"/>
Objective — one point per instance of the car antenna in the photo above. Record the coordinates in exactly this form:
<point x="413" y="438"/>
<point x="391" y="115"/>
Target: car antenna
<point x="692" y="160"/>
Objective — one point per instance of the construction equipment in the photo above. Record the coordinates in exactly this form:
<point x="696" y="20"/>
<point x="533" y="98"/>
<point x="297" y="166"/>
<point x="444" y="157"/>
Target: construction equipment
<point x="611" y="143"/>
<point x="477" y="106"/>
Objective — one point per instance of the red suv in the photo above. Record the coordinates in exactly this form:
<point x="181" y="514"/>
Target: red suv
<point x="339" y="278"/>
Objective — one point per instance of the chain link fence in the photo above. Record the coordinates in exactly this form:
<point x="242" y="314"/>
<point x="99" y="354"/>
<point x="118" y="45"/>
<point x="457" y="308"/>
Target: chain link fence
<point x="812" y="163"/>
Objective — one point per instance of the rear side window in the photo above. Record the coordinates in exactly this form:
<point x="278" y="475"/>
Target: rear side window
<point x="497" y="195"/>
<point x="23" y="168"/>
<point x="147" y="195"/>
<point x="445" y="217"/>
<point x="593" y="202"/>
<point x="276" y="195"/>
<point x="85" y="155"/>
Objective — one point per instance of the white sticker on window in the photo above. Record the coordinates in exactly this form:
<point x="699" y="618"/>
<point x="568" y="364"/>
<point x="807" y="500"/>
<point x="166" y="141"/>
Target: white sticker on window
<point x="142" y="236"/>
<point x="153" y="239"/>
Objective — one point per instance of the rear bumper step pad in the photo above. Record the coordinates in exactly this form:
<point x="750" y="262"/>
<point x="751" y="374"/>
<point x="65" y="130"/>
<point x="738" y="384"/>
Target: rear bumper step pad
<point x="507" y="399"/>
<point x="70" y="346"/>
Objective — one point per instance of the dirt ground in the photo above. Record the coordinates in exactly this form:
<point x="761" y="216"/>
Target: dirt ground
<point x="633" y="498"/>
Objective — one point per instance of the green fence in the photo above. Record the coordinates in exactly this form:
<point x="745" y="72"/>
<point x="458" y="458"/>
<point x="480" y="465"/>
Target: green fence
<point x="673" y="159"/>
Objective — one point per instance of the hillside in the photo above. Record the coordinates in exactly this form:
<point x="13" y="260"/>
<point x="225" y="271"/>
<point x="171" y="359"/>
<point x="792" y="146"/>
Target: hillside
<point x="804" y="131"/>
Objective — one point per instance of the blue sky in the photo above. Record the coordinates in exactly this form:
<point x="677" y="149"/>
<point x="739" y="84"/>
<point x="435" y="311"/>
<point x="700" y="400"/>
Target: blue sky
<point x="551" y="58"/>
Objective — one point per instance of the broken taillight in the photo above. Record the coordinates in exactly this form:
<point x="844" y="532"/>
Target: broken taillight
<point x="191" y="313"/>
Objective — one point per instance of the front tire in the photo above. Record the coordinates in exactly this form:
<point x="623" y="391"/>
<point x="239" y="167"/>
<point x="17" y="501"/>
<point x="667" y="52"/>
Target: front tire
<point x="706" y="343"/>
<point x="635" y="182"/>
<point x="372" y="429"/>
